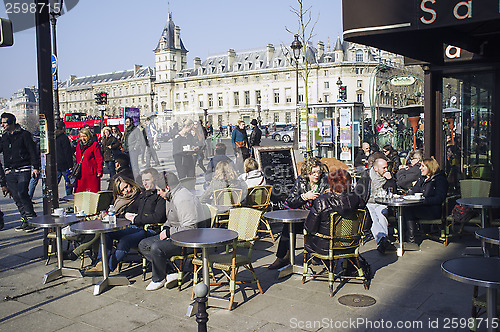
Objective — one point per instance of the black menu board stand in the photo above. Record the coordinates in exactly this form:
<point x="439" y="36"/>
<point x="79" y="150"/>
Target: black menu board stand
<point x="279" y="168"/>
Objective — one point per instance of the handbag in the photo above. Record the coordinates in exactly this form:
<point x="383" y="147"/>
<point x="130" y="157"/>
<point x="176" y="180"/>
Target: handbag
<point x="76" y="171"/>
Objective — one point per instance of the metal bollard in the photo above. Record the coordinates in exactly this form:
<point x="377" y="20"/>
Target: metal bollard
<point x="200" y="292"/>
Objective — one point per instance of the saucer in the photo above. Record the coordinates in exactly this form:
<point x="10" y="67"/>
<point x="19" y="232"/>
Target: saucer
<point x="57" y="215"/>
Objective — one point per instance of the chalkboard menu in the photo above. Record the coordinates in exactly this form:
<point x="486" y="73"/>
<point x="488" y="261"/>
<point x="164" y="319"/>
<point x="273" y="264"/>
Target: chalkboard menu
<point x="279" y="168"/>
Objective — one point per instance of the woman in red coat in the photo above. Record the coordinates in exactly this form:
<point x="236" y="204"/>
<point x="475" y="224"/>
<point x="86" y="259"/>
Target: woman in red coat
<point x="90" y="179"/>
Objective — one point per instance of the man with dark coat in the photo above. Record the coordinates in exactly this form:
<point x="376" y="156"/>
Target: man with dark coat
<point x="64" y="155"/>
<point x="123" y="170"/>
<point x="21" y="163"/>
<point x="255" y="135"/>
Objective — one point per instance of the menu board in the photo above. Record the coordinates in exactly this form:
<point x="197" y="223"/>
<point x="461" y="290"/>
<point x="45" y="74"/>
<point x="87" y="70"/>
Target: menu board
<point x="279" y="168"/>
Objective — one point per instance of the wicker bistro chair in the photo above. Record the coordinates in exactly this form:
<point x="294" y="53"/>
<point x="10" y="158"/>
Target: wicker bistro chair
<point x="224" y="200"/>
<point x="345" y="239"/>
<point x="245" y="221"/>
<point x="444" y="222"/>
<point x="259" y="198"/>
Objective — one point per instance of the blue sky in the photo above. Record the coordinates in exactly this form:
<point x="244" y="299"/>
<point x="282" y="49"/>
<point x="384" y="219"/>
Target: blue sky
<point x="101" y="36"/>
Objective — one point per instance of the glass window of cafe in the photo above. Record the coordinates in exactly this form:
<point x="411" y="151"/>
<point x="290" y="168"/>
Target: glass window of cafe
<point x="467" y="119"/>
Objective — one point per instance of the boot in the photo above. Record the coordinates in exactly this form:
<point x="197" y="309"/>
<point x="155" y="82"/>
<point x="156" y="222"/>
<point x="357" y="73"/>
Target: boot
<point x="411" y="243"/>
<point x="280" y="262"/>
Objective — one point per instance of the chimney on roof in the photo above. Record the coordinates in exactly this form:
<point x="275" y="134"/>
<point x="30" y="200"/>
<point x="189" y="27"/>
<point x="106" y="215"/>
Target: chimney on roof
<point x="177" y="38"/>
<point x="71" y="79"/>
<point x="270" y="53"/>
<point x="231" y="55"/>
<point x="136" y="68"/>
<point x="197" y="63"/>
<point x="321" y="49"/>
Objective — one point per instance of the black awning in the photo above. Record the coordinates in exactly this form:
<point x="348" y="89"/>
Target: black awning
<point x="420" y="28"/>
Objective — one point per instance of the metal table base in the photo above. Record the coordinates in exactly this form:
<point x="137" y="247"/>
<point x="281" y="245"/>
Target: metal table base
<point x="107" y="281"/>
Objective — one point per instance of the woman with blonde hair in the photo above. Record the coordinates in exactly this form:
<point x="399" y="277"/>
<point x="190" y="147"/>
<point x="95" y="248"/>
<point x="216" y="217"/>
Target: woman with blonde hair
<point x="89" y="155"/>
<point x="434" y="186"/>
<point x="253" y="176"/>
<point x="224" y="177"/>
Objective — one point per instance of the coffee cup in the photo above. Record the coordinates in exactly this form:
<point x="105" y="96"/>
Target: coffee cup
<point x="59" y="211"/>
<point x="80" y="213"/>
<point x="418" y="195"/>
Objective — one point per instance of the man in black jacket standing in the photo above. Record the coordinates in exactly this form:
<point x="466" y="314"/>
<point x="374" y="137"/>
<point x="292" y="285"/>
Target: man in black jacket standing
<point x="255" y="135"/>
<point x="21" y="163"/>
<point x="373" y="180"/>
<point x="65" y="153"/>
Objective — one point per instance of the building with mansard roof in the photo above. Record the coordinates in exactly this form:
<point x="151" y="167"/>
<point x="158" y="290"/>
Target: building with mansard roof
<point x="262" y="82"/>
<point x="128" y="88"/>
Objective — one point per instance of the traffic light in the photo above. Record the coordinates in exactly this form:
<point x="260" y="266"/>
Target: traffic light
<point x="98" y="98"/>
<point x="343" y="92"/>
<point x="104" y="98"/>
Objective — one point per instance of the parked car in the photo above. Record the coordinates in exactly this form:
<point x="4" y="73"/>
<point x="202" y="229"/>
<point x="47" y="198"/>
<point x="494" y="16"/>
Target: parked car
<point x="286" y="135"/>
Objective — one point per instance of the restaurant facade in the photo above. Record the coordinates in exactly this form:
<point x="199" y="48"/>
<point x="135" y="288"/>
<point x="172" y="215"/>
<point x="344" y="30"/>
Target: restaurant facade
<point x="458" y="45"/>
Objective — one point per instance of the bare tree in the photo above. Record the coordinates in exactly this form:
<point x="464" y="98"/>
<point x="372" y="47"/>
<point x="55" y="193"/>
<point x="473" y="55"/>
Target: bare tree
<point x="305" y="34"/>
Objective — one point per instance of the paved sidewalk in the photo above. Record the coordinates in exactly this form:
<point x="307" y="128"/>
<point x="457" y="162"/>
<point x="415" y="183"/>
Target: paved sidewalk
<point x="411" y="289"/>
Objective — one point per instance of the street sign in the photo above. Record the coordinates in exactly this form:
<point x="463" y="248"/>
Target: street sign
<point x="44" y="136"/>
<point x="54" y="83"/>
<point x="54" y="64"/>
<point x="101" y="107"/>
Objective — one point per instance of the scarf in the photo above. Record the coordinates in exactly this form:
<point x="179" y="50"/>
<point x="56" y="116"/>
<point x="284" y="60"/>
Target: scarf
<point x="123" y="201"/>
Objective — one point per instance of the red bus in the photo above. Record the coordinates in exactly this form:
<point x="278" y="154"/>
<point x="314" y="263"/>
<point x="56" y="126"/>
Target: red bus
<point x="76" y="121"/>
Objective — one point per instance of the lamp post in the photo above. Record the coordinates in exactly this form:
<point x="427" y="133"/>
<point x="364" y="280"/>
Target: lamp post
<point x="296" y="46"/>
<point x="152" y="94"/>
<point x="53" y="19"/>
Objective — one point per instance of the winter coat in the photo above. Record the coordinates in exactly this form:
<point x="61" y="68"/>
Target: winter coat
<point x="133" y="139"/>
<point x="253" y="178"/>
<point x="406" y="177"/>
<point x="318" y="219"/>
<point x="123" y="172"/>
<point x="184" y="210"/>
<point x="91" y="167"/>
<point x="19" y="150"/>
<point x="434" y="190"/>
<point x="150" y="208"/>
<point x="107" y="153"/>
<point x="301" y="186"/>
<point x="363" y="187"/>
<point x="64" y="151"/>
<point x="255" y="136"/>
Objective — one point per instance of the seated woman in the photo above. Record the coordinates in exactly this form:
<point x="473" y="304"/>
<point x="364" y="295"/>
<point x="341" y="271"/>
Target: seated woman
<point x="434" y="186"/>
<point x="309" y="185"/>
<point x="252" y="176"/>
<point x="141" y="208"/>
<point x="340" y="199"/>
<point x="224" y="177"/>
<point x="408" y="174"/>
<point x="393" y="156"/>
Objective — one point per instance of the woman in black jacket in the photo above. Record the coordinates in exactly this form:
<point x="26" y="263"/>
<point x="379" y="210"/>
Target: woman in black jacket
<point x="309" y="185"/>
<point x="340" y="199"/>
<point x="433" y="185"/>
<point x="141" y="208"/>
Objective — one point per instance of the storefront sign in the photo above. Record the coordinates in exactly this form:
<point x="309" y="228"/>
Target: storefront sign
<point x="402" y="80"/>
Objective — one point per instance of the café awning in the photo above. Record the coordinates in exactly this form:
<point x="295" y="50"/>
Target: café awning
<point x="423" y="29"/>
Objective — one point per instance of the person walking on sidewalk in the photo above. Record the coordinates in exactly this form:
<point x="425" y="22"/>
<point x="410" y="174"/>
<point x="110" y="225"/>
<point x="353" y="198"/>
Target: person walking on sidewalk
<point x="21" y="163"/>
<point x="3" y="184"/>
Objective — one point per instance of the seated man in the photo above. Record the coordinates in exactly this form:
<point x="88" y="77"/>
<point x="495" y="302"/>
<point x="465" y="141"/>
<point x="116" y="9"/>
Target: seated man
<point x="184" y="211"/>
<point x="373" y="180"/>
<point x="407" y="175"/>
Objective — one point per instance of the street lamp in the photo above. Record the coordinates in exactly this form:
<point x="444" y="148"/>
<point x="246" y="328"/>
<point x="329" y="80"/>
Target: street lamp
<point x="53" y="19"/>
<point x="296" y="47"/>
<point x="152" y="94"/>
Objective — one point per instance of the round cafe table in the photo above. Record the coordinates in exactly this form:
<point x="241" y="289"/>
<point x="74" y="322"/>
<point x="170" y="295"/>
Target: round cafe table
<point x="205" y="238"/>
<point x="98" y="227"/>
<point x="57" y="222"/>
<point x="478" y="271"/>
<point x="290" y="216"/>
<point x="482" y="203"/>
<point x="399" y="203"/>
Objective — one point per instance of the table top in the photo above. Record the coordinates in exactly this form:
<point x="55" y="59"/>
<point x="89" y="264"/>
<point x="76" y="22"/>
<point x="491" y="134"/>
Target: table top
<point x="398" y="201"/>
<point x="97" y="226"/>
<point x="489" y="235"/>
<point x="203" y="237"/>
<point x="51" y="221"/>
<point x="477" y="271"/>
<point x="480" y="202"/>
<point x="287" y="216"/>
